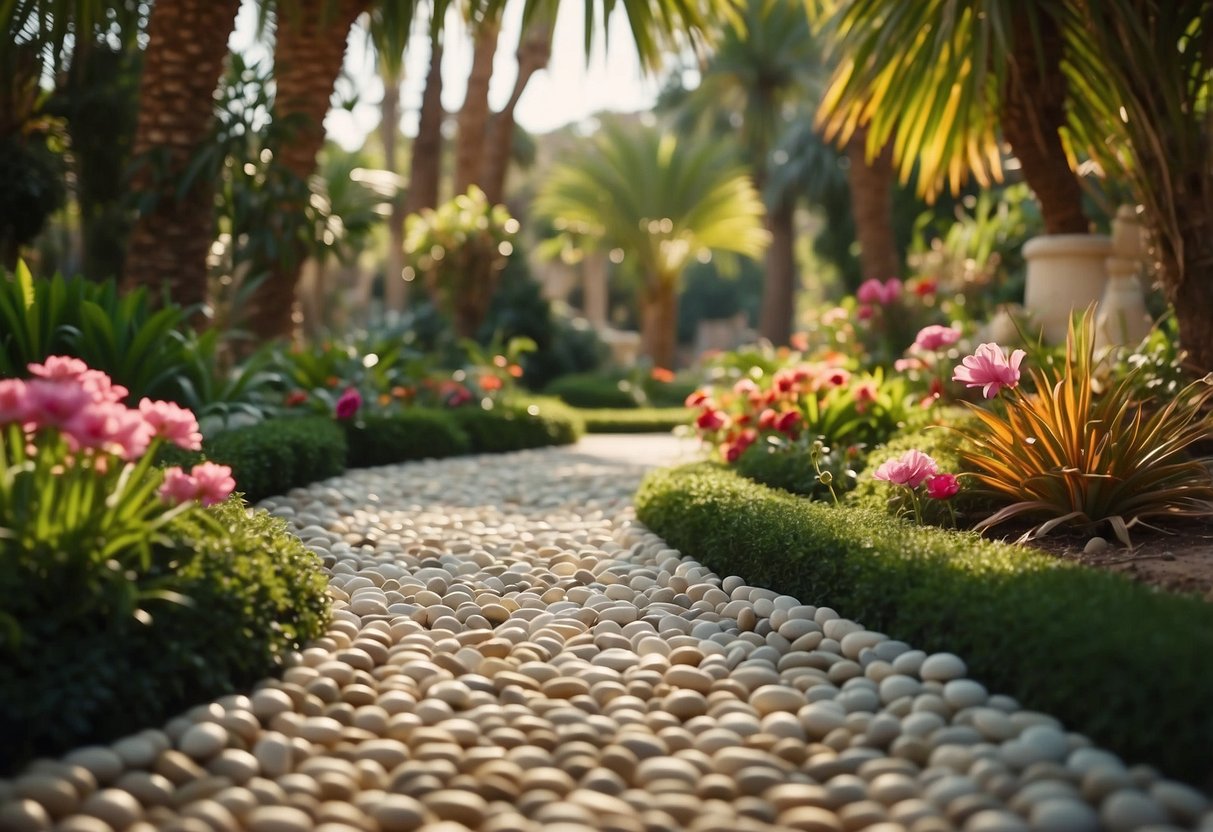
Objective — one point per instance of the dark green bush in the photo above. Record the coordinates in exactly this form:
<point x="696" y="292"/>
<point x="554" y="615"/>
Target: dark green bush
<point x="413" y="434"/>
<point x="634" y="420"/>
<point x="1122" y="663"/>
<point x="594" y="390"/>
<point x="519" y="424"/>
<point x="273" y="457"/>
<point x="669" y="393"/>
<point x="253" y="593"/>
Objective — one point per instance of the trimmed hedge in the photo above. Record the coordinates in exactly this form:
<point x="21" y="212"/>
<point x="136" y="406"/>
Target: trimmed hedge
<point x="592" y="390"/>
<point x="635" y="420"/>
<point x="80" y="677"/>
<point x="1126" y="665"/>
<point x="414" y="434"/>
<point x="518" y="424"/>
<point x="273" y="457"/>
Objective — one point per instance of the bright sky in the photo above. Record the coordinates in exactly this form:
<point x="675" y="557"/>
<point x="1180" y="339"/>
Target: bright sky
<point x="568" y="90"/>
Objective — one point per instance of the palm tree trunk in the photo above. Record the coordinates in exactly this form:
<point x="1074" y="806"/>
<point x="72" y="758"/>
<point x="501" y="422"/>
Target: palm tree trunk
<point x="389" y="131"/>
<point x="659" y="322"/>
<point x="187" y="45"/>
<point x="1033" y="112"/>
<point x="534" y="52"/>
<point x="871" y="184"/>
<point x="425" y="169"/>
<point x="474" y="115"/>
<point x="779" y="284"/>
<point x="308" y="54"/>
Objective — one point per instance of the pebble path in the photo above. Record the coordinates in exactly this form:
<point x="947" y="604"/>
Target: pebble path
<point x="512" y="651"/>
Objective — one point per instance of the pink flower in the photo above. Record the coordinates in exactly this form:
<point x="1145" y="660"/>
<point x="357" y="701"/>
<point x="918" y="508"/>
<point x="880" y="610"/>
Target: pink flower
<point x="94" y="426"/>
<point x="348" y="404"/>
<point x="866" y="391"/>
<point x="837" y="377"/>
<point x="178" y="486"/>
<point x="942" y="486"/>
<point x="172" y="422"/>
<point x="214" y="482"/>
<point x="911" y="469"/>
<point x="870" y="291"/>
<point x="59" y="368"/>
<point x="745" y="387"/>
<point x="133" y="434"/>
<point x="989" y="369"/>
<point x="14" y="403"/>
<point x="54" y="403"/>
<point x="101" y="387"/>
<point x="865" y="312"/>
<point x="933" y="337"/>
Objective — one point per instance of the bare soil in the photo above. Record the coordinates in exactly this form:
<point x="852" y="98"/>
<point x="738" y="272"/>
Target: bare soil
<point x="1179" y="560"/>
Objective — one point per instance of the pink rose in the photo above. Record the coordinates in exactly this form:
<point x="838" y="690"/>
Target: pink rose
<point x="989" y="369"/>
<point x="942" y="486"/>
<point x="59" y="368"/>
<point x="911" y="469"/>
<point x="934" y="337"/>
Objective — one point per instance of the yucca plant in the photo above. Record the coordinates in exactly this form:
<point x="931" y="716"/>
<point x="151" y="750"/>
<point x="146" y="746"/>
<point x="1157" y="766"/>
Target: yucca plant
<point x="1073" y="457"/>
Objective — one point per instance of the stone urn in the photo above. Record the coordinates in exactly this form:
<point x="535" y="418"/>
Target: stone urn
<point x="1123" y="319"/>
<point x="1066" y="274"/>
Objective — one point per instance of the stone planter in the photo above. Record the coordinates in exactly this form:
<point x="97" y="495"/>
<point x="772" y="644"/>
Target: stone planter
<point x="1066" y="273"/>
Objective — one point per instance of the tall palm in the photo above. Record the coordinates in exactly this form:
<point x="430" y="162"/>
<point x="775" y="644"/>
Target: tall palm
<point x="662" y="202"/>
<point x="182" y="65"/>
<point x="940" y="78"/>
<point x="1142" y="75"/>
<point x="761" y="65"/>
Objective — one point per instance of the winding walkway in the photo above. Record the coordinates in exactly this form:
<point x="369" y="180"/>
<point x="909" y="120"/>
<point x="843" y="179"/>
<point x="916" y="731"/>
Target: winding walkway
<point x="512" y="651"/>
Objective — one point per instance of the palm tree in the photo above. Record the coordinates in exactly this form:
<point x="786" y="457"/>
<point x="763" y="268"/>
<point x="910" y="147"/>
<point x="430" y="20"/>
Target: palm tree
<point x="939" y="78"/>
<point x="761" y="66"/>
<point x="182" y="65"/>
<point x="1142" y="81"/>
<point x="661" y="202"/>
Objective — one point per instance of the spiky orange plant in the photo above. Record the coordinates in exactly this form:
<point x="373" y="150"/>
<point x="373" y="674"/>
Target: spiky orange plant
<point x="1070" y="456"/>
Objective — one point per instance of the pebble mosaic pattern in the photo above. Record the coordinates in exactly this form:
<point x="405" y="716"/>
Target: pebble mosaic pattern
<point x="511" y="651"/>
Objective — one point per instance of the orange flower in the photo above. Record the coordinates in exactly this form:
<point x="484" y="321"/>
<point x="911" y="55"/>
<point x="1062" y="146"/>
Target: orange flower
<point x="384" y="399"/>
<point x="490" y="383"/>
<point x="515" y="370"/>
<point x="661" y="374"/>
<point x="332" y="381"/>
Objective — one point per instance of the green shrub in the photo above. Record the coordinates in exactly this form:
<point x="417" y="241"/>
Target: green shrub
<point x="273" y="457"/>
<point x="1122" y="663"/>
<point x="669" y="393"/>
<point x="415" y="433"/>
<point x="519" y="424"/>
<point x="594" y="390"/>
<point x="634" y="420"/>
<point x="791" y="467"/>
<point x="942" y="443"/>
<point x="254" y="594"/>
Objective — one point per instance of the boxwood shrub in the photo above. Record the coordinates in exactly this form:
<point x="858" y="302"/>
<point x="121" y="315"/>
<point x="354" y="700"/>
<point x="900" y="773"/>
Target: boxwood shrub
<point x="80" y="676"/>
<point x="1120" y="662"/>
<point x="414" y="434"/>
<point x="634" y="420"/>
<point x="593" y="390"/>
<point x="519" y="423"/>
<point x="273" y="457"/>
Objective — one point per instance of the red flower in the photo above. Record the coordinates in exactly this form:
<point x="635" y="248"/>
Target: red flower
<point x="348" y="404"/>
<point x="788" y="422"/>
<point x="766" y="419"/>
<point x="697" y="398"/>
<point x="942" y="486"/>
<point x="295" y="398"/>
<point x="711" y="419"/>
<point x="926" y="286"/>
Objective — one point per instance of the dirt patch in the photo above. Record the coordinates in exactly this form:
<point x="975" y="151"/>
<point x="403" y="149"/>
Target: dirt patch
<point x="1180" y="560"/>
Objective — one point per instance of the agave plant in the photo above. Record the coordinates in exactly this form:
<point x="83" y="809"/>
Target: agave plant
<point x="1074" y="457"/>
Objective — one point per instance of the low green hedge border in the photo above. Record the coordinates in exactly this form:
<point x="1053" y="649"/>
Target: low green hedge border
<point x="82" y="676"/>
<point x="413" y="434"/>
<point x="634" y="420"/>
<point x="519" y="424"/>
<point x="1124" y="664"/>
